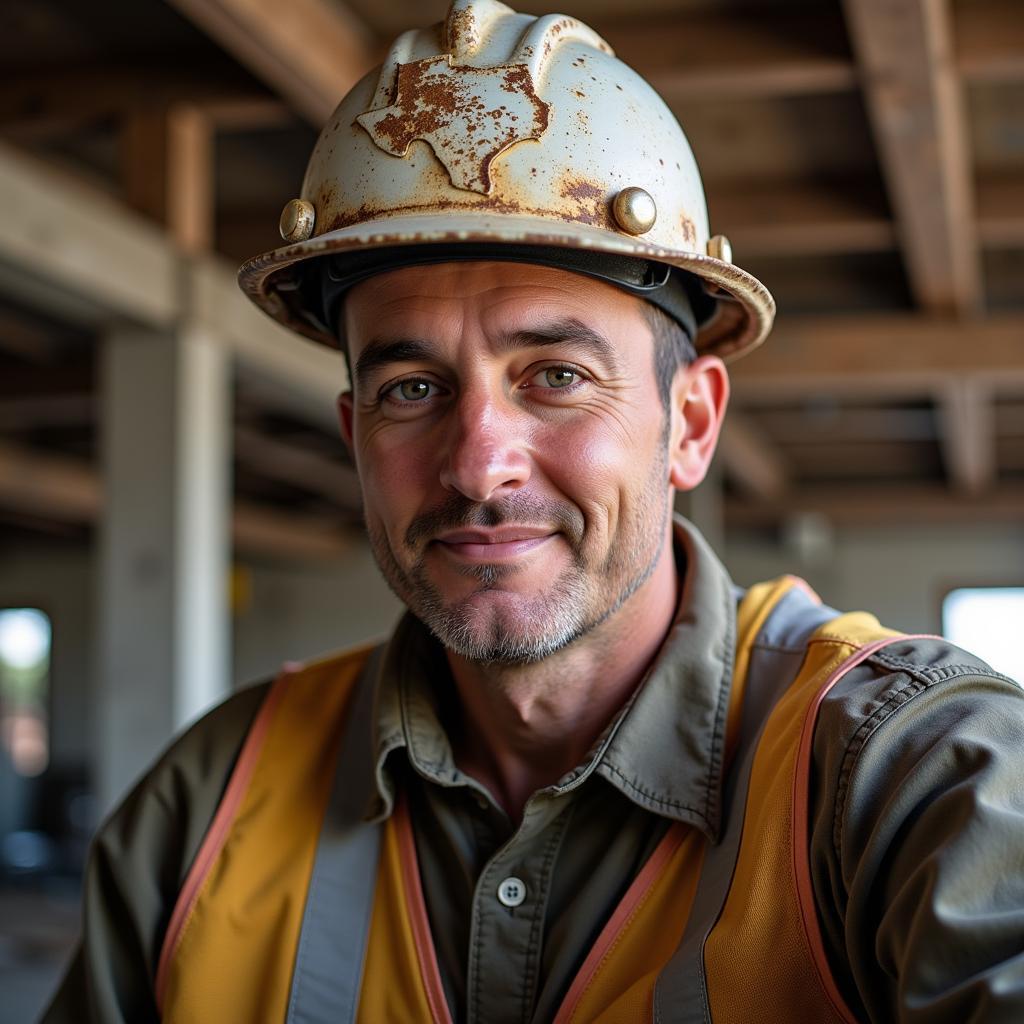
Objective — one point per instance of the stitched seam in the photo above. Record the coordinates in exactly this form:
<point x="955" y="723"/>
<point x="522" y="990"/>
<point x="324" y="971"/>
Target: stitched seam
<point x="718" y="735"/>
<point x="653" y="797"/>
<point x="937" y="673"/>
<point x="537" y="924"/>
<point x="474" y="1008"/>
<point x="892" y="701"/>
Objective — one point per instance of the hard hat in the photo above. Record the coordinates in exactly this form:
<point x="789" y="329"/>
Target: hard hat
<point x="498" y="132"/>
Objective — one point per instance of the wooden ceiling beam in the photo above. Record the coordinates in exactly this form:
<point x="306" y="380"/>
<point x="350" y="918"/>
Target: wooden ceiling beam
<point x="864" y="506"/>
<point x="287" y="463"/>
<point x="751" y="460"/>
<point x="707" y="56"/>
<point x="990" y="40"/>
<point x="904" y="50"/>
<point x="67" y="490"/>
<point x="881" y="356"/>
<point x="1001" y="211"/>
<point x="310" y="52"/>
<point x="42" y="103"/>
<point x="167" y="172"/>
<point x="45" y="411"/>
<point x="968" y="435"/>
<point x="797" y="218"/>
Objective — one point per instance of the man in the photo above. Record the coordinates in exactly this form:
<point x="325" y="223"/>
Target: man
<point x="586" y="778"/>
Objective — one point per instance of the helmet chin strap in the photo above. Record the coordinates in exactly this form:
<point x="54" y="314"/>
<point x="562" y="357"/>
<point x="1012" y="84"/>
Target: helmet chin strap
<point x="675" y="292"/>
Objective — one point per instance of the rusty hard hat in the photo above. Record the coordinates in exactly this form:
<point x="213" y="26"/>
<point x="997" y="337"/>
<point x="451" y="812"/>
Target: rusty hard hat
<point x="502" y="135"/>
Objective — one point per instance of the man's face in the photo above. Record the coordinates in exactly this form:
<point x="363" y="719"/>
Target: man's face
<point x="511" y="445"/>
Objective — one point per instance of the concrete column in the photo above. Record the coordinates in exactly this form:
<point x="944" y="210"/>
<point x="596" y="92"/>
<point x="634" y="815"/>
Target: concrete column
<point x="164" y="544"/>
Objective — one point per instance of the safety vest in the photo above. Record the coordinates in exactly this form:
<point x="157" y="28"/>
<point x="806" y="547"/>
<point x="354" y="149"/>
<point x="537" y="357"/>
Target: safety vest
<point x="297" y="910"/>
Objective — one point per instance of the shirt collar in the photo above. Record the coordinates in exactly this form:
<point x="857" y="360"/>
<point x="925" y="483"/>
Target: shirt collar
<point x="663" y="750"/>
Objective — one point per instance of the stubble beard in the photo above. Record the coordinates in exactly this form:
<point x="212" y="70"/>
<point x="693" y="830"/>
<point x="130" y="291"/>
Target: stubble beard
<point x="579" y="600"/>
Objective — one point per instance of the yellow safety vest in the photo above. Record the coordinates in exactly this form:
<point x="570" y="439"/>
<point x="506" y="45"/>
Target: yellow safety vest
<point x="726" y="932"/>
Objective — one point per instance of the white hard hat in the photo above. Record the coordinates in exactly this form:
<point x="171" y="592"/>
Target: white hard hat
<point x="501" y="135"/>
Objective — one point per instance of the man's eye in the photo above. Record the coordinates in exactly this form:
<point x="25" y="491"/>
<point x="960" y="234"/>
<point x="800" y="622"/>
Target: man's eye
<point x="413" y="390"/>
<point x="557" y="377"/>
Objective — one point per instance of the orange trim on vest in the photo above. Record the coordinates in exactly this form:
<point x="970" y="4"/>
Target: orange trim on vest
<point x="801" y="825"/>
<point x="233" y="954"/>
<point x="218" y="833"/>
<point x="426" y="955"/>
<point x="593" y="995"/>
<point x="758" y="956"/>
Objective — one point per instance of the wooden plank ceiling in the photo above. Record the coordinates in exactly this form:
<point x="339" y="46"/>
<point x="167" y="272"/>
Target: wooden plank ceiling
<point x="866" y="157"/>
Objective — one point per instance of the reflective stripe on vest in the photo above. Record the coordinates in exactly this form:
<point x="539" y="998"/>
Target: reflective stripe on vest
<point x="271" y="923"/>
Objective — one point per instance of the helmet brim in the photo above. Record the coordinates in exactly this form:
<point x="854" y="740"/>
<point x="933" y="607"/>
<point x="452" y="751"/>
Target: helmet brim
<point x="742" y="321"/>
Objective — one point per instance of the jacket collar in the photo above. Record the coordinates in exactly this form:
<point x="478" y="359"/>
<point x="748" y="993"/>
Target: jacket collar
<point x="664" y="750"/>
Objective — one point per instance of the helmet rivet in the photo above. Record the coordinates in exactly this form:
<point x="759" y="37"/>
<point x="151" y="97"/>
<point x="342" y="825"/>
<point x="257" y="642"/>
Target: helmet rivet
<point x="720" y="248"/>
<point x="635" y="210"/>
<point x="297" y="220"/>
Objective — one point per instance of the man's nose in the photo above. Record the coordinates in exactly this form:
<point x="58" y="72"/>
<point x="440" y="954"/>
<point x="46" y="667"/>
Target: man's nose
<point x="486" y="450"/>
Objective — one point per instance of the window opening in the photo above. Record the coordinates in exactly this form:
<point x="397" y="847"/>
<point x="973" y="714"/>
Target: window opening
<point x="986" y="621"/>
<point x="25" y="638"/>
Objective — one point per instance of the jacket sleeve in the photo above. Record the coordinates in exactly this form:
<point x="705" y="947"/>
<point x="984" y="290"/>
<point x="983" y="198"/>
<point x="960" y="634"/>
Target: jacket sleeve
<point x="918" y="842"/>
<point x="137" y="864"/>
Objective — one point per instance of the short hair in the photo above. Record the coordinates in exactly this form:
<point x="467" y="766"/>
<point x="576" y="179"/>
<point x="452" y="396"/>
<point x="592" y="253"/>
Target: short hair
<point x="673" y="349"/>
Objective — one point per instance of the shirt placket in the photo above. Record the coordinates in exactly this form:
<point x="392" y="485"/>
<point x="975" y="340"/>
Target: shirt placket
<point x="509" y="904"/>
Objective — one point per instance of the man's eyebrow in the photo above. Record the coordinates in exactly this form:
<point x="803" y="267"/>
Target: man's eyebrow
<point x="378" y="353"/>
<point x="561" y="332"/>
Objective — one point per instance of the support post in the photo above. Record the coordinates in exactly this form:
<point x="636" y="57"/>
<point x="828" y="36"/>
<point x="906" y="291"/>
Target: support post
<point x="164" y="550"/>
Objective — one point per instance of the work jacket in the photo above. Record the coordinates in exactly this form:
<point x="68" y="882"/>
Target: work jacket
<point x="851" y="844"/>
<point x="335" y="924"/>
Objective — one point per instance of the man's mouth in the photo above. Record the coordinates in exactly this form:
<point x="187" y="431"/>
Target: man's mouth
<point x="490" y="544"/>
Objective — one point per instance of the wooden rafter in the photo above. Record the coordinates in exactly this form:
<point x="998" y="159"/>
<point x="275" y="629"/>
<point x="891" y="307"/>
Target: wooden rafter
<point x="1001" y="211"/>
<point x="753" y="462"/>
<point x="881" y="355"/>
<point x="801" y="219"/>
<point x="904" y="50"/>
<point x="299" y="467"/>
<point x="310" y="52"/>
<point x="69" y="490"/>
<point x="707" y="55"/>
<point x="49" y="102"/>
<point x="967" y="434"/>
<point x="860" y="506"/>
<point x="168" y="171"/>
<point x="990" y="41"/>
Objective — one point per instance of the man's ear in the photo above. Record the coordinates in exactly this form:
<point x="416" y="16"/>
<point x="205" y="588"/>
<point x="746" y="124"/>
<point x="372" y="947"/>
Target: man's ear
<point x="345" y="421"/>
<point x="699" y="396"/>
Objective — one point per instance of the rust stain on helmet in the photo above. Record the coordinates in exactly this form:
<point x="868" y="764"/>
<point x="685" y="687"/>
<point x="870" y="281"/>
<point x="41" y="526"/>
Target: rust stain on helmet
<point x="467" y="115"/>
<point x="589" y="201"/>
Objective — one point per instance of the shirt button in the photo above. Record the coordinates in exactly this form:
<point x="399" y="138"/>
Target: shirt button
<point x="512" y="891"/>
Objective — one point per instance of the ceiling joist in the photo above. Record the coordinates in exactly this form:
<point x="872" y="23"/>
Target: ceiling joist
<point x="753" y="462"/>
<point x="968" y="435"/>
<point x="862" y="506"/>
<point x="905" y="52"/>
<point x="68" y="490"/>
<point x="878" y="355"/>
<point x="310" y="52"/>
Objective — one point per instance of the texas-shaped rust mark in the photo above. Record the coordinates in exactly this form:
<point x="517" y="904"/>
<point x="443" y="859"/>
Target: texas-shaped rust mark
<point x="467" y="115"/>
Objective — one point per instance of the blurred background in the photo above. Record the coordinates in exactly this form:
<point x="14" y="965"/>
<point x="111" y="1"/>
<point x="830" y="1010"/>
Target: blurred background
<point x="177" y="514"/>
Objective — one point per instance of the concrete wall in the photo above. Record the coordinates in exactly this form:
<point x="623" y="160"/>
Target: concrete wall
<point x="900" y="574"/>
<point x="295" y="613"/>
